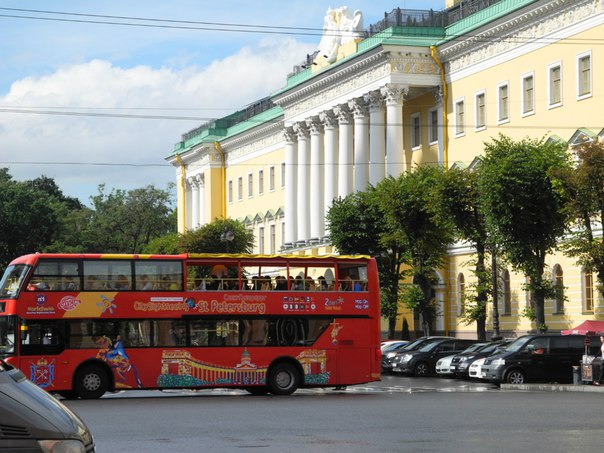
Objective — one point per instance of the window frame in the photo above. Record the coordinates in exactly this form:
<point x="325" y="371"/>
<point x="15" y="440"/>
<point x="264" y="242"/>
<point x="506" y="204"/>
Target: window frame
<point x="550" y="85"/>
<point x="580" y="92"/>
<point x="459" y="115"/>
<point x="433" y="127"/>
<point x="415" y="134"/>
<point x="478" y="109"/>
<point x="527" y="104"/>
<point x="501" y="104"/>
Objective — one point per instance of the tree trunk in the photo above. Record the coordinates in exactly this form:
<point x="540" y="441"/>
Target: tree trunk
<point x="391" y="327"/>
<point x="482" y="294"/>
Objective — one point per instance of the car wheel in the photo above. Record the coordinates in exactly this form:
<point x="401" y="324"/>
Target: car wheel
<point x="91" y="382"/>
<point x="283" y="379"/>
<point x="421" y="369"/>
<point x="515" y="377"/>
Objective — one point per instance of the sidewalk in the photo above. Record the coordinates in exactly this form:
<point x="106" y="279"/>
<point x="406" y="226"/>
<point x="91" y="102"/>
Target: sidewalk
<point x="553" y="388"/>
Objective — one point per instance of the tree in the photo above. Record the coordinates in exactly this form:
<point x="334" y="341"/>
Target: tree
<point x="356" y="226"/>
<point x="124" y="222"/>
<point x="523" y="210"/>
<point x="414" y="222"/>
<point x="459" y="199"/>
<point x="583" y="190"/>
<point x="219" y="236"/>
<point x="27" y="219"/>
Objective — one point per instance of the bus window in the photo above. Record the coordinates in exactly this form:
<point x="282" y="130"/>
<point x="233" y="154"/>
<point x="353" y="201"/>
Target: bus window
<point x="42" y="337"/>
<point x="136" y="333"/>
<point x="158" y="275"/>
<point x="113" y="275"/>
<point x="12" y="279"/>
<point x="7" y="334"/>
<point x="170" y="333"/>
<point x="352" y="277"/>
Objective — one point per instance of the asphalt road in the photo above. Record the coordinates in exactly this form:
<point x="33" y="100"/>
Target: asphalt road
<point x="395" y="415"/>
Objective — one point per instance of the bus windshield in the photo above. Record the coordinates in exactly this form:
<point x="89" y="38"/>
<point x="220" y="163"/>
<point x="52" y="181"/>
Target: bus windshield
<point x="7" y="335"/>
<point x="12" y="279"/>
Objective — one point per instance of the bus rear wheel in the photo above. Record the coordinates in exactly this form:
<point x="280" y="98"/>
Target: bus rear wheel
<point x="91" y="382"/>
<point x="283" y="379"/>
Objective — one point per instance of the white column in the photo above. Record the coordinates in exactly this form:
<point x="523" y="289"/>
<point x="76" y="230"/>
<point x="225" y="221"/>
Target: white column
<point x="291" y="178"/>
<point x="331" y="160"/>
<point x="189" y="203"/>
<point x="345" y="150"/>
<point x="317" y="197"/>
<point x="303" y="214"/>
<point x="202" y="200"/>
<point x="194" y="203"/>
<point x="441" y="127"/>
<point x="395" y="153"/>
<point x="361" y="144"/>
<point x="377" y="137"/>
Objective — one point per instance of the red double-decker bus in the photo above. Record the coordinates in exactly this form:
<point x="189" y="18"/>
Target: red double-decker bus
<point x="84" y="324"/>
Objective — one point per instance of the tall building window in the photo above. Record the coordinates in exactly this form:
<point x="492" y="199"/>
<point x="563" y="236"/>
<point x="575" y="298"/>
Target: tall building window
<point x="584" y="75"/>
<point x="240" y="188"/>
<point x="282" y="174"/>
<point x="260" y="182"/>
<point x="528" y="94"/>
<point x="559" y="288"/>
<point x="261" y="240"/>
<point x="461" y="293"/>
<point x="415" y="131"/>
<point x="250" y="185"/>
<point x="588" y="291"/>
<point x="272" y="239"/>
<point x="282" y="234"/>
<point x="460" y="119"/>
<point x="433" y="130"/>
<point x="555" y="85"/>
<point x="481" y="113"/>
<point x="506" y="295"/>
<point x="271" y="178"/>
<point x="230" y="191"/>
<point x="503" y="103"/>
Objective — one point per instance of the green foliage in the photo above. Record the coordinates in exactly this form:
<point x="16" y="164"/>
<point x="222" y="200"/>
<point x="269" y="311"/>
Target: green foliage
<point x="523" y="209"/>
<point x="583" y="192"/>
<point x="210" y="238"/>
<point x="125" y="221"/>
<point x="163" y="245"/>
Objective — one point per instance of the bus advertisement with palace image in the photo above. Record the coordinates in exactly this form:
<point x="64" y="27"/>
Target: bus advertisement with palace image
<point x="84" y="324"/>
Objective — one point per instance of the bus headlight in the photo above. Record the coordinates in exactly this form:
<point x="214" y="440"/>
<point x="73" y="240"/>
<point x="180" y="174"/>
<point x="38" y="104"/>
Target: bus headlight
<point x="62" y="446"/>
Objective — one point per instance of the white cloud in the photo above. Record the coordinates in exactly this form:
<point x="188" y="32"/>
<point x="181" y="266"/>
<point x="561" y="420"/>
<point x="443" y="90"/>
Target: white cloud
<point x="100" y="87"/>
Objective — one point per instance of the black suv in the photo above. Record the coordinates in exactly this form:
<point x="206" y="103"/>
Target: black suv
<point x="389" y="357"/>
<point x="422" y="362"/>
<point x="548" y="357"/>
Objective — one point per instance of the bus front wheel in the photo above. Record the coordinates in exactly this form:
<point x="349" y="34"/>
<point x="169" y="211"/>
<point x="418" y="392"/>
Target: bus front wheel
<point x="91" y="382"/>
<point x="283" y="379"/>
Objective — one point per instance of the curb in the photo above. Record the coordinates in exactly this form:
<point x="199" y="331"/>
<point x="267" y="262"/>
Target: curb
<point x="553" y="388"/>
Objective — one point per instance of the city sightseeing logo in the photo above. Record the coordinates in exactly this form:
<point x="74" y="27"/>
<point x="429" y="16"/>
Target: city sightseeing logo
<point x="68" y="303"/>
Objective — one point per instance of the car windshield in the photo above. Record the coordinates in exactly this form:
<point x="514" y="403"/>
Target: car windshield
<point x="393" y="346"/>
<point x="475" y="347"/>
<point x="7" y="335"/>
<point x="516" y="345"/>
<point x="430" y="345"/>
<point x="12" y="280"/>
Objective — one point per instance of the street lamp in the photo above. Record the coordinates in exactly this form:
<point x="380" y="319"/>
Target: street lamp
<point x="227" y="237"/>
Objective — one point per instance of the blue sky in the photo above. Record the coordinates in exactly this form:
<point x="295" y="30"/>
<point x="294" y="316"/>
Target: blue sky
<point x="59" y="63"/>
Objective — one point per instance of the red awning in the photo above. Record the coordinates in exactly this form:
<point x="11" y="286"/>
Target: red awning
<point x="586" y="328"/>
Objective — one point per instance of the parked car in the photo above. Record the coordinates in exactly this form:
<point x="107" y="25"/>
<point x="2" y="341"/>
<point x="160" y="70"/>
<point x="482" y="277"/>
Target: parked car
<point x="461" y="362"/>
<point x="475" y="369"/>
<point x="389" y="356"/>
<point x="422" y="362"/>
<point x="31" y="420"/>
<point x="547" y="357"/>
<point x="443" y="366"/>
<point x="389" y="345"/>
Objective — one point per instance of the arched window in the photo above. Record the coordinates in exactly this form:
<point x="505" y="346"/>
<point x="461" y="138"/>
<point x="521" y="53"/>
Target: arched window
<point x="588" y="292"/>
<point x="461" y="293"/>
<point x="558" y="282"/>
<point x="506" y="292"/>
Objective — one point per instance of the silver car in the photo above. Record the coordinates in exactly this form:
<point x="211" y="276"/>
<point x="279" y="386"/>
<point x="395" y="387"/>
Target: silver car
<point x="33" y="421"/>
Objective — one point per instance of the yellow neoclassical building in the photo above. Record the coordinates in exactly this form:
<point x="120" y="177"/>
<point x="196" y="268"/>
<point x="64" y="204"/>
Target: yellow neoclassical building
<point x="419" y="87"/>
